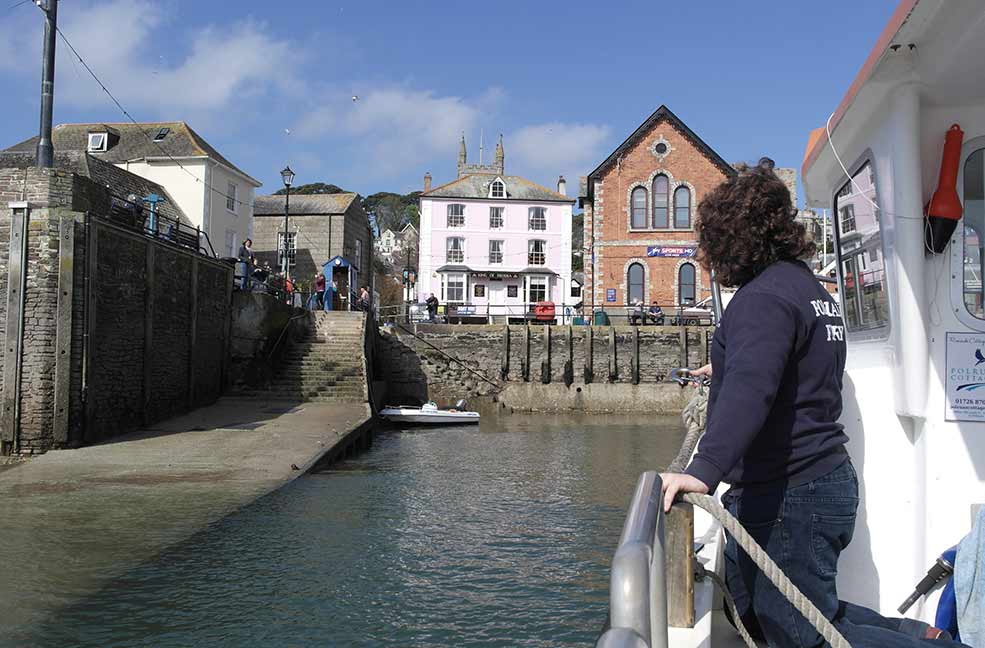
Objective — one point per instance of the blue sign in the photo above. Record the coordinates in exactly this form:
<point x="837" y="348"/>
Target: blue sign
<point x="686" y="251"/>
<point x="610" y="294"/>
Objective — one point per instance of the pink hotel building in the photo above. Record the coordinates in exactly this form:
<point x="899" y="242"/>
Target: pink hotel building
<point x="493" y="244"/>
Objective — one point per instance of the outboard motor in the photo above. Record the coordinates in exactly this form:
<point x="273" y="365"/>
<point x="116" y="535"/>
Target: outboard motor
<point x="462" y="405"/>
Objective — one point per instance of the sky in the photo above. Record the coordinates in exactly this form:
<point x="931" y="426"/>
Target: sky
<point x="370" y="95"/>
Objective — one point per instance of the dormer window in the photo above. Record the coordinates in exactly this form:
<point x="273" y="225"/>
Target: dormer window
<point x="97" y="142"/>
<point x="497" y="190"/>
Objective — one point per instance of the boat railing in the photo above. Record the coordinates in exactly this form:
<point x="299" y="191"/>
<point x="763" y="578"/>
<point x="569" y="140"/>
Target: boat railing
<point x="638" y="582"/>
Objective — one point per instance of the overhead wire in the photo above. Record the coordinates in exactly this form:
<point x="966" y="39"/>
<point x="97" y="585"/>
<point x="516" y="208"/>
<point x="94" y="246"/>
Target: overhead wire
<point x="139" y="127"/>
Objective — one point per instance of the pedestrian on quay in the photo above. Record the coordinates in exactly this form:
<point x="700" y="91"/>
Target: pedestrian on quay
<point x="772" y="428"/>
<point x="320" y="290"/>
<point x="246" y="252"/>
<point x="432" y="306"/>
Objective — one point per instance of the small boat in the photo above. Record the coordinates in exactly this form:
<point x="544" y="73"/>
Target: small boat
<point x="430" y="414"/>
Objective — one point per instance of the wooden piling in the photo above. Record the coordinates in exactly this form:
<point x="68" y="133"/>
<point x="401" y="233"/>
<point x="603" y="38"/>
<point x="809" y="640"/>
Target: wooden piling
<point x="526" y="354"/>
<point x="589" y="354"/>
<point x="504" y="365"/>
<point x="679" y="552"/>
<point x="683" y="345"/>
<point x="545" y="363"/>
<point x="636" y="355"/>
<point x="569" y="364"/>
<point x="613" y="367"/>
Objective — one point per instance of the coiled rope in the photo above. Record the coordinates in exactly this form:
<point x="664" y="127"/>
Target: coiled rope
<point x="695" y="415"/>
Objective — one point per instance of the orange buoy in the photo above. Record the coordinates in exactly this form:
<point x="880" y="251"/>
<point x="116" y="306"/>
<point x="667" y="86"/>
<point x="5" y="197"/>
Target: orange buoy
<point x="945" y="210"/>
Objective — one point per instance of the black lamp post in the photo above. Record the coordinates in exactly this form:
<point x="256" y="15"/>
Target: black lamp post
<point x="288" y="177"/>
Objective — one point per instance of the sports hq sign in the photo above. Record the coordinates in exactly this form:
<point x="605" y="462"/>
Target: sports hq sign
<point x="685" y="251"/>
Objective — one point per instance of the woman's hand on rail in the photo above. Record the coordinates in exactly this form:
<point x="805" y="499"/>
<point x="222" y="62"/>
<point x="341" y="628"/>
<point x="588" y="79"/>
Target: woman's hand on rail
<point x="675" y="484"/>
<point x="701" y="372"/>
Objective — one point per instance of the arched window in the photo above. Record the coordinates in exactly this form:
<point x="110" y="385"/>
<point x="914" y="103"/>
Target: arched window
<point x="661" y="202"/>
<point x="686" y="285"/>
<point x="682" y="208"/>
<point x="634" y="283"/>
<point x="639" y="208"/>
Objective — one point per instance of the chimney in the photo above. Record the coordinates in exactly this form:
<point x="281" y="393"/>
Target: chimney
<point x="562" y="185"/>
<point x="427" y="182"/>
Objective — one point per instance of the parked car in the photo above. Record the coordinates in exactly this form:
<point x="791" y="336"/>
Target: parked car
<point x="699" y="314"/>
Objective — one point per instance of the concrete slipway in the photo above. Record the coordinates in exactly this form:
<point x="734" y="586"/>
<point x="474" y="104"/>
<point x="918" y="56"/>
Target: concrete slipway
<point x="72" y="519"/>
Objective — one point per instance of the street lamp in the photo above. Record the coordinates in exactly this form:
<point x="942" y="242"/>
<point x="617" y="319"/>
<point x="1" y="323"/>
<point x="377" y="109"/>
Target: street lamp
<point x="288" y="177"/>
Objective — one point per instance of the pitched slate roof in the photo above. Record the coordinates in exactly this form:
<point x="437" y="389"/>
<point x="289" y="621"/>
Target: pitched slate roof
<point x="304" y="204"/>
<point x="120" y="182"/>
<point x="135" y="142"/>
<point x="476" y="185"/>
<point x="663" y="113"/>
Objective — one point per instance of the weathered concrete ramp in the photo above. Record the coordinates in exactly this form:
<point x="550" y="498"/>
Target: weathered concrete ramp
<point x="72" y="519"/>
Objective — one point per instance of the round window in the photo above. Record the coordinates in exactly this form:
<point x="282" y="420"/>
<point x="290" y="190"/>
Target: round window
<point x="661" y="148"/>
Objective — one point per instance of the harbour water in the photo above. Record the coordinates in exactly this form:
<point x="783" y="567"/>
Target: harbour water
<point x="493" y="536"/>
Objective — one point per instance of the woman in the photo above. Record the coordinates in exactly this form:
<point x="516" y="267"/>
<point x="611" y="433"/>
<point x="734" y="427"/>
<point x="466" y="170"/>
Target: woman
<point x="246" y="252"/>
<point x="320" y="290"/>
<point x="773" y="434"/>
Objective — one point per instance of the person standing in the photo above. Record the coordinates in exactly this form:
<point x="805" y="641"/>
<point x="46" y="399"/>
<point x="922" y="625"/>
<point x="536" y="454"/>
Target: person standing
<point x="777" y="364"/>
<point x="320" y="290"/>
<point x="246" y="252"/>
<point x="432" y="306"/>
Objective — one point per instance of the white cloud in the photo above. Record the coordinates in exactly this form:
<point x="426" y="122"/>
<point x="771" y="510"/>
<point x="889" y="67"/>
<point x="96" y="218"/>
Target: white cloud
<point x="131" y="47"/>
<point x="396" y="127"/>
<point x="556" y="147"/>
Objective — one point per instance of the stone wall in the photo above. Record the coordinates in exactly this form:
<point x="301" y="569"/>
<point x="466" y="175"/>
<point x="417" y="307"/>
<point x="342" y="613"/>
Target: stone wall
<point x="444" y="363"/>
<point x="118" y="330"/>
<point x="258" y="322"/>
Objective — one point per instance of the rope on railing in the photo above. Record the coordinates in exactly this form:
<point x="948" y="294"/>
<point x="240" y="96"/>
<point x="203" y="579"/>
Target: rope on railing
<point x="695" y="419"/>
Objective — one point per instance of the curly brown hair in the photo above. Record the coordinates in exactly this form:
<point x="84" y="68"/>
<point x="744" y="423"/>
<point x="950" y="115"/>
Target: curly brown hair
<point x="746" y="224"/>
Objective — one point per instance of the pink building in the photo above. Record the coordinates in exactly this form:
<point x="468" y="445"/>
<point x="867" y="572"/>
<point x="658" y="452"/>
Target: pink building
<point x="492" y="244"/>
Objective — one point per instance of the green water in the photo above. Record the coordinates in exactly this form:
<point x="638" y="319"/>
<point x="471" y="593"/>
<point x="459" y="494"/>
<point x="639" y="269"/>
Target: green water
<point x="493" y="536"/>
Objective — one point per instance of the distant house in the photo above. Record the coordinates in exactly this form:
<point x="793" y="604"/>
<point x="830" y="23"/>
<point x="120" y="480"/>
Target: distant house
<point x="320" y="227"/>
<point x="403" y="245"/>
<point x="214" y="194"/>
<point x="496" y="242"/>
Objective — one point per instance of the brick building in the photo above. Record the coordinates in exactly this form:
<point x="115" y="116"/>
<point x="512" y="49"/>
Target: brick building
<point x="322" y="226"/>
<point x="640" y="206"/>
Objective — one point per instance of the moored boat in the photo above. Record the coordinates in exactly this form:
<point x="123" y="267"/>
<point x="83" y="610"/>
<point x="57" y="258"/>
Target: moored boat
<point x="430" y="414"/>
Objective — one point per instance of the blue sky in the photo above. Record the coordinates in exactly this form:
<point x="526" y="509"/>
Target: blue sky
<point x="273" y="83"/>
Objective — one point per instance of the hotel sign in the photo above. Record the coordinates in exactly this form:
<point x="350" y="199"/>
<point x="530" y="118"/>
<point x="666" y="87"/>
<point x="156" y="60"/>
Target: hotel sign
<point x="686" y="251"/>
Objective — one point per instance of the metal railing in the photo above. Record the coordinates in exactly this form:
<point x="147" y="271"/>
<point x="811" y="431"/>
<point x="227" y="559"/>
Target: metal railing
<point x="638" y="581"/>
<point x="157" y="226"/>
<point x="468" y="313"/>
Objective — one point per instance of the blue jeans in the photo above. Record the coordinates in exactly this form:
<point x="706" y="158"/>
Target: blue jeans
<point x="804" y="529"/>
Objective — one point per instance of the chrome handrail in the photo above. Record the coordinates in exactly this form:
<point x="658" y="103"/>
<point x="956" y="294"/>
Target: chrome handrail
<point x="638" y="582"/>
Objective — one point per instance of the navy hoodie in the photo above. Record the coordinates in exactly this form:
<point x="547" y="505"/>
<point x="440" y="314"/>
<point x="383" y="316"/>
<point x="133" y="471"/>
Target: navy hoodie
<point x="777" y="361"/>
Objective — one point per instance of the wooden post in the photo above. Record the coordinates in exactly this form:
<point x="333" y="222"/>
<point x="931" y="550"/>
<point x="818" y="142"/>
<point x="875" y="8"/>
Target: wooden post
<point x="504" y="365"/>
<point x="545" y="364"/>
<point x="613" y="367"/>
<point x="63" y="327"/>
<point x="705" y="358"/>
<point x="569" y="364"/>
<point x="636" y="355"/>
<point x="679" y="552"/>
<point x="589" y="354"/>
<point x="682" y="336"/>
<point x="526" y="354"/>
<point x="192" y="333"/>
<point x="148" y="391"/>
<point x="14" y="330"/>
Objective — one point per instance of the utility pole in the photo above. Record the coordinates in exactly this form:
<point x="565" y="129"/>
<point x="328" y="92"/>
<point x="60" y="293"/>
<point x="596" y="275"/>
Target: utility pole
<point x="46" y="149"/>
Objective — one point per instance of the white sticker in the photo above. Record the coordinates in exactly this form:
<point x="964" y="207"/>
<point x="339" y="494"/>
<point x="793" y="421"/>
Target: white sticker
<point x="965" y="386"/>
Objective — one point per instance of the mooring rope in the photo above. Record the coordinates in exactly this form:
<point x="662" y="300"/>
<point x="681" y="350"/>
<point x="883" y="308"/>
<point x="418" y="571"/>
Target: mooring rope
<point x="695" y="418"/>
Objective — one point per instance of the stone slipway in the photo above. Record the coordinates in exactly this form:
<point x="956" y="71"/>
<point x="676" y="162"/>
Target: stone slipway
<point x="70" y="520"/>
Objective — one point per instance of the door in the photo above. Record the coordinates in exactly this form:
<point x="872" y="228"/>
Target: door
<point x="497" y="299"/>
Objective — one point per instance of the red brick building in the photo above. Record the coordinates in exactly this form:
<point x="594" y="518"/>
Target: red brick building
<point x="640" y="205"/>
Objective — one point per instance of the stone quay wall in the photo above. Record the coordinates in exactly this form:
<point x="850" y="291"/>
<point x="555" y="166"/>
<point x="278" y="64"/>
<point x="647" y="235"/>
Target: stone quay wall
<point x="105" y="329"/>
<point x="262" y="328"/>
<point x="522" y="364"/>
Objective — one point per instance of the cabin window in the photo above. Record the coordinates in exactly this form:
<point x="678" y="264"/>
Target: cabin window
<point x="974" y="233"/>
<point x="864" y="297"/>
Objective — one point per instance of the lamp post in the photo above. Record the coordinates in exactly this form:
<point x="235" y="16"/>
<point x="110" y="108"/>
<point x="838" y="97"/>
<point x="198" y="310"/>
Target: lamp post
<point x="288" y="177"/>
